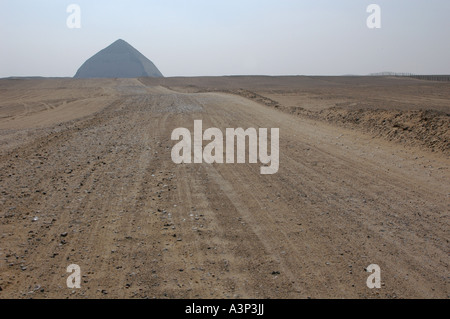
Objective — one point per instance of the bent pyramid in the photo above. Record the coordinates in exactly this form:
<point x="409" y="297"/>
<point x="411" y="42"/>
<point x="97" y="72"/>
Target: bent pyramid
<point x="119" y="60"/>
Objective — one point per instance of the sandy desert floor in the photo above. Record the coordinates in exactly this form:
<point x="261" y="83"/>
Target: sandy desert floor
<point x="86" y="178"/>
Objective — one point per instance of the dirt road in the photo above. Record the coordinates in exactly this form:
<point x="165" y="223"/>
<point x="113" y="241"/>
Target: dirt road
<point x="102" y="192"/>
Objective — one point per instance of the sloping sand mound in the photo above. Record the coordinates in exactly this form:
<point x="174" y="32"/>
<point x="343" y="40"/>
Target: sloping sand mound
<point x="429" y="129"/>
<point x="423" y="127"/>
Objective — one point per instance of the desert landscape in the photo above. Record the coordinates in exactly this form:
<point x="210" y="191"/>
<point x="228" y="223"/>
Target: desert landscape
<point x="86" y="178"/>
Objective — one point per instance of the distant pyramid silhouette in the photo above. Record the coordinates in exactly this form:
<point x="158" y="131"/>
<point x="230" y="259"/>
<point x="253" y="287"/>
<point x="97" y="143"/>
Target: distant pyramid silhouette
<point x="119" y="60"/>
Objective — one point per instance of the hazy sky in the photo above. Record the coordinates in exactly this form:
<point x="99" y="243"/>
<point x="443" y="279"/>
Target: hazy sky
<point x="211" y="37"/>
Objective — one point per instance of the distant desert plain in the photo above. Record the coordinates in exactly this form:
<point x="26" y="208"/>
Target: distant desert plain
<point x="86" y="178"/>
